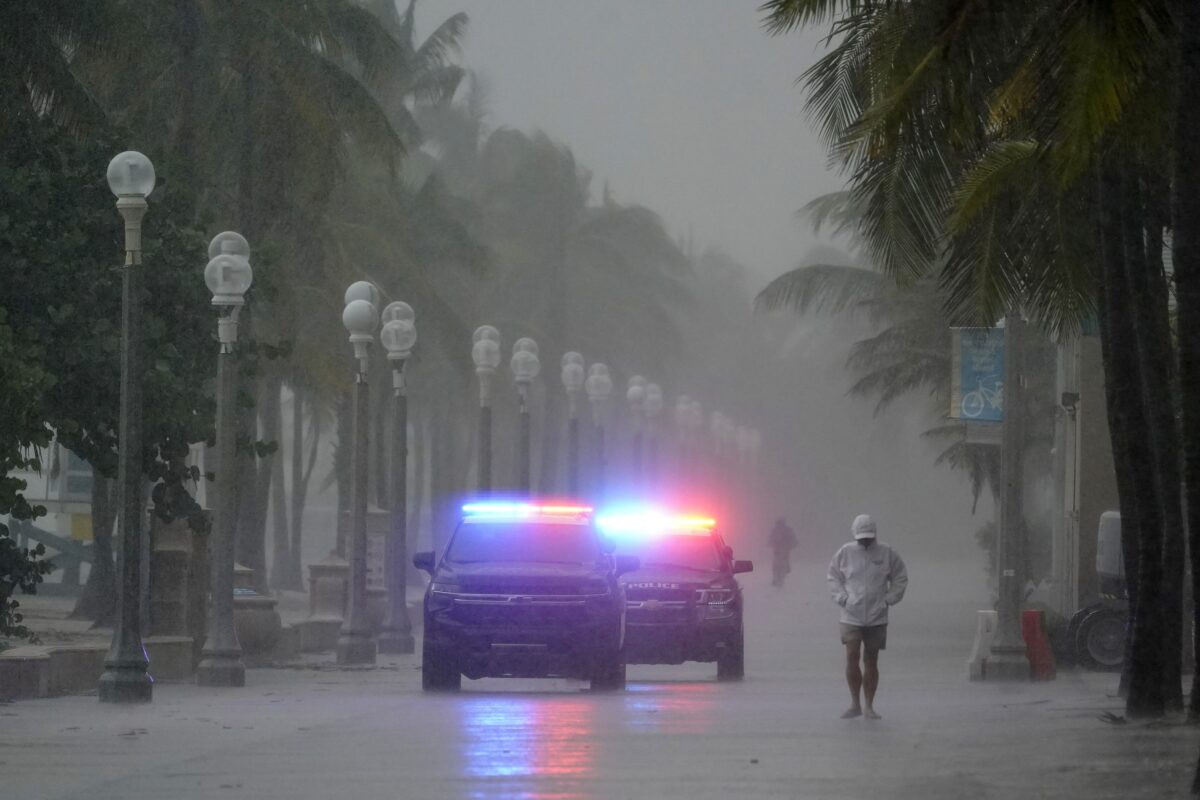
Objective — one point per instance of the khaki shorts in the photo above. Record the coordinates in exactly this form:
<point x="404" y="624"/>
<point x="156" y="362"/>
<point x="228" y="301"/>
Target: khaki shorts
<point x="874" y="637"/>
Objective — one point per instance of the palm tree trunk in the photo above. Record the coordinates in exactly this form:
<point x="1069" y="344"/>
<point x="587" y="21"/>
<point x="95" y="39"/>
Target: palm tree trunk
<point x="1127" y="414"/>
<point x="98" y="600"/>
<point x="1148" y="285"/>
<point x="420" y="476"/>
<point x="439" y="478"/>
<point x="1186" y="251"/>
<point x="260" y="496"/>
<point x="341" y="467"/>
<point x="299" y="494"/>
<point x="1152" y="330"/>
<point x="273" y="469"/>
<point x="185" y="35"/>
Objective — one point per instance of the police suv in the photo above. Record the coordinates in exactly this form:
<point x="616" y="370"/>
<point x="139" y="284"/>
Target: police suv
<point x="524" y="590"/>
<point x="683" y="602"/>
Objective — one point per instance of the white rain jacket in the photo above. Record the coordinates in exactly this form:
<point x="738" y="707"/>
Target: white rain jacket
<point x="864" y="581"/>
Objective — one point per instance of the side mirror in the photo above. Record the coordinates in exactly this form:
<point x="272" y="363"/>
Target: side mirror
<point x="424" y="561"/>
<point x="627" y="564"/>
<point x="742" y="566"/>
<point x="728" y="551"/>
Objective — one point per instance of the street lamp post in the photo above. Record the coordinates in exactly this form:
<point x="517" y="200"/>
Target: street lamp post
<point x="355" y="645"/>
<point x="485" y="352"/>
<point x="1007" y="660"/>
<point x="398" y="335"/>
<point x="573" y="378"/>
<point x="652" y="407"/>
<point x="125" y="678"/>
<point x="598" y="386"/>
<point x="525" y="367"/>
<point x="636" y="396"/>
<point x="228" y="276"/>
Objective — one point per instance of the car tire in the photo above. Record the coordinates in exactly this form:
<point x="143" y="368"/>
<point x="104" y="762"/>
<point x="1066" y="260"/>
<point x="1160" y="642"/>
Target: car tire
<point x="731" y="665"/>
<point x="610" y="673"/>
<point x="439" y="672"/>
<point x="1100" y="640"/>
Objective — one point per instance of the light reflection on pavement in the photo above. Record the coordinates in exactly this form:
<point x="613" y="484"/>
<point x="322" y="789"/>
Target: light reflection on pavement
<point x="541" y="746"/>
<point x="670" y="707"/>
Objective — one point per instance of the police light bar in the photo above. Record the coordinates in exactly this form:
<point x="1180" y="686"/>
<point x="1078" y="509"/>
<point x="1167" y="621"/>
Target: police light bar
<point x="653" y="522"/>
<point x="502" y="510"/>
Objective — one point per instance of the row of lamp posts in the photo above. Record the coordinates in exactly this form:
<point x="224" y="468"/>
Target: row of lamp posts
<point x="229" y="275"/>
<point x="398" y="335"/>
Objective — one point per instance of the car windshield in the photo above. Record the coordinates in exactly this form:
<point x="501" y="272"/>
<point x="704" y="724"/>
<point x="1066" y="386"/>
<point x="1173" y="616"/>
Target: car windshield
<point x="546" y="542"/>
<point x="690" y="552"/>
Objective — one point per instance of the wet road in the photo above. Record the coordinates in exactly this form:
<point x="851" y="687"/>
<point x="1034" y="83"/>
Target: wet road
<point x="675" y="733"/>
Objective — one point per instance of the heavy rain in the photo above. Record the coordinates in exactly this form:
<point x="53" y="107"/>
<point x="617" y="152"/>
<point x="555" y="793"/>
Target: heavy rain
<point x="628" y="399"/>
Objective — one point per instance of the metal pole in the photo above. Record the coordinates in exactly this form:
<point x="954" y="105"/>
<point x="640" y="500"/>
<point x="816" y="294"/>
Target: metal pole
<point x="125" y="678"/>
<point x="396" y="636"/>
<point x="652" y="454"/>
<point x="525" y="454"/>
<point x="572" y="445"/>
<point x="600" y="455"/>
<point x="355" y="645"/>
<point x="1007" y="660"/>
<point x="637" y="451"/>
<point x="221" y="661"/>
<point x="485" y="436"/>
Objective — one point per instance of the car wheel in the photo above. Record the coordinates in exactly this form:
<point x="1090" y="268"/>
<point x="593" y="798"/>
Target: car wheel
<point x="439" y="672"/>
<point x="1100" y="640"/>
<point x="610" y="674"/>
<point x="731" y="665"/>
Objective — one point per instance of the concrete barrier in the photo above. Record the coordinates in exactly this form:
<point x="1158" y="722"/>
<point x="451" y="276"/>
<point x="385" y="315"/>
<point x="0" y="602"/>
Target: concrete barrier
<point x="24" y="673"/>
<point x="75" y="668"/>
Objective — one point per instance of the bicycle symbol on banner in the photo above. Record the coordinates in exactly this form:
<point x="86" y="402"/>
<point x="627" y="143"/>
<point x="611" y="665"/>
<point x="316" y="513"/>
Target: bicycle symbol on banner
<point x="975" y="402"/>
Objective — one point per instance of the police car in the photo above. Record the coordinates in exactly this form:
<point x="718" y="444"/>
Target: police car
<point x="683" y="602"/>
<point x="524" y="590"/>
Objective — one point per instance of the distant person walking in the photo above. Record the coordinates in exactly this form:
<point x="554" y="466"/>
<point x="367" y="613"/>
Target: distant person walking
<point x="865" y="578"/>
<point x="782" y="540"/>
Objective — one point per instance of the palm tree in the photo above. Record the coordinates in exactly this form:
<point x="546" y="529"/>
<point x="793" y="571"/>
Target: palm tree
<point x="601" y="277"/>
<point x="972" y="135"/>
<point x="37" y="40"/>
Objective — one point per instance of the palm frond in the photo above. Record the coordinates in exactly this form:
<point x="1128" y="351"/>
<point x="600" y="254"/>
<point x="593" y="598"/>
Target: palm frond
<point x="822" y="288"/>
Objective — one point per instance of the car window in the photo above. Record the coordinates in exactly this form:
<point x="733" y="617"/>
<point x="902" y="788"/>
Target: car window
<point x="689" y="552"/>
<point x="548" y="542"/>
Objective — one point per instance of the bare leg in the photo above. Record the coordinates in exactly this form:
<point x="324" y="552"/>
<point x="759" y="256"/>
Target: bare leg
<point x="870" y="679"/>
<point x="854" y="679"/>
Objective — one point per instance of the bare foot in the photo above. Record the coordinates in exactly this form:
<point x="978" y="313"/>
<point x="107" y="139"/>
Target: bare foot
<point x="852" y="712"/>
<point x="870" y="714"/>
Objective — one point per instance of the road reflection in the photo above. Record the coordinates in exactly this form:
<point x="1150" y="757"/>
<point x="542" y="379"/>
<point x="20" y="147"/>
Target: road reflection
<point x="669" y="707"/>
<point x="540" y="748"/>
<point x="546" y="747"/>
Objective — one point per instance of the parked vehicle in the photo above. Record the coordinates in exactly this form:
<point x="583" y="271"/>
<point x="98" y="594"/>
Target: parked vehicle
<point x="524" y="590"/>
<point x="1097" y="632"/>
<point x="683" y="602"/>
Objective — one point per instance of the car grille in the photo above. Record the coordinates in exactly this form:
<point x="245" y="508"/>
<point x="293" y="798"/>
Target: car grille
<point x="520" y="613"/>
<point x="657" y="614"/>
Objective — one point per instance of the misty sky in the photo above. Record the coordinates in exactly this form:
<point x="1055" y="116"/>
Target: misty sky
<point x="685" y="106"/>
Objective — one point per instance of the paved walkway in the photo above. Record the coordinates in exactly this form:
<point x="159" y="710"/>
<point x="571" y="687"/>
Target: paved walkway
<point x="318" y="732"/>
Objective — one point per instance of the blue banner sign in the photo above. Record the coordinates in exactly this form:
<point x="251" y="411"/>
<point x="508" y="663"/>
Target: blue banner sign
<point x="977" y="374"/>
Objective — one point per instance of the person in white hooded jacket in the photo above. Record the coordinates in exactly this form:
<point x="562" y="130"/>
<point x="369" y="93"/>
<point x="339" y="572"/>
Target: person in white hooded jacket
<point x="865" y="578"/>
